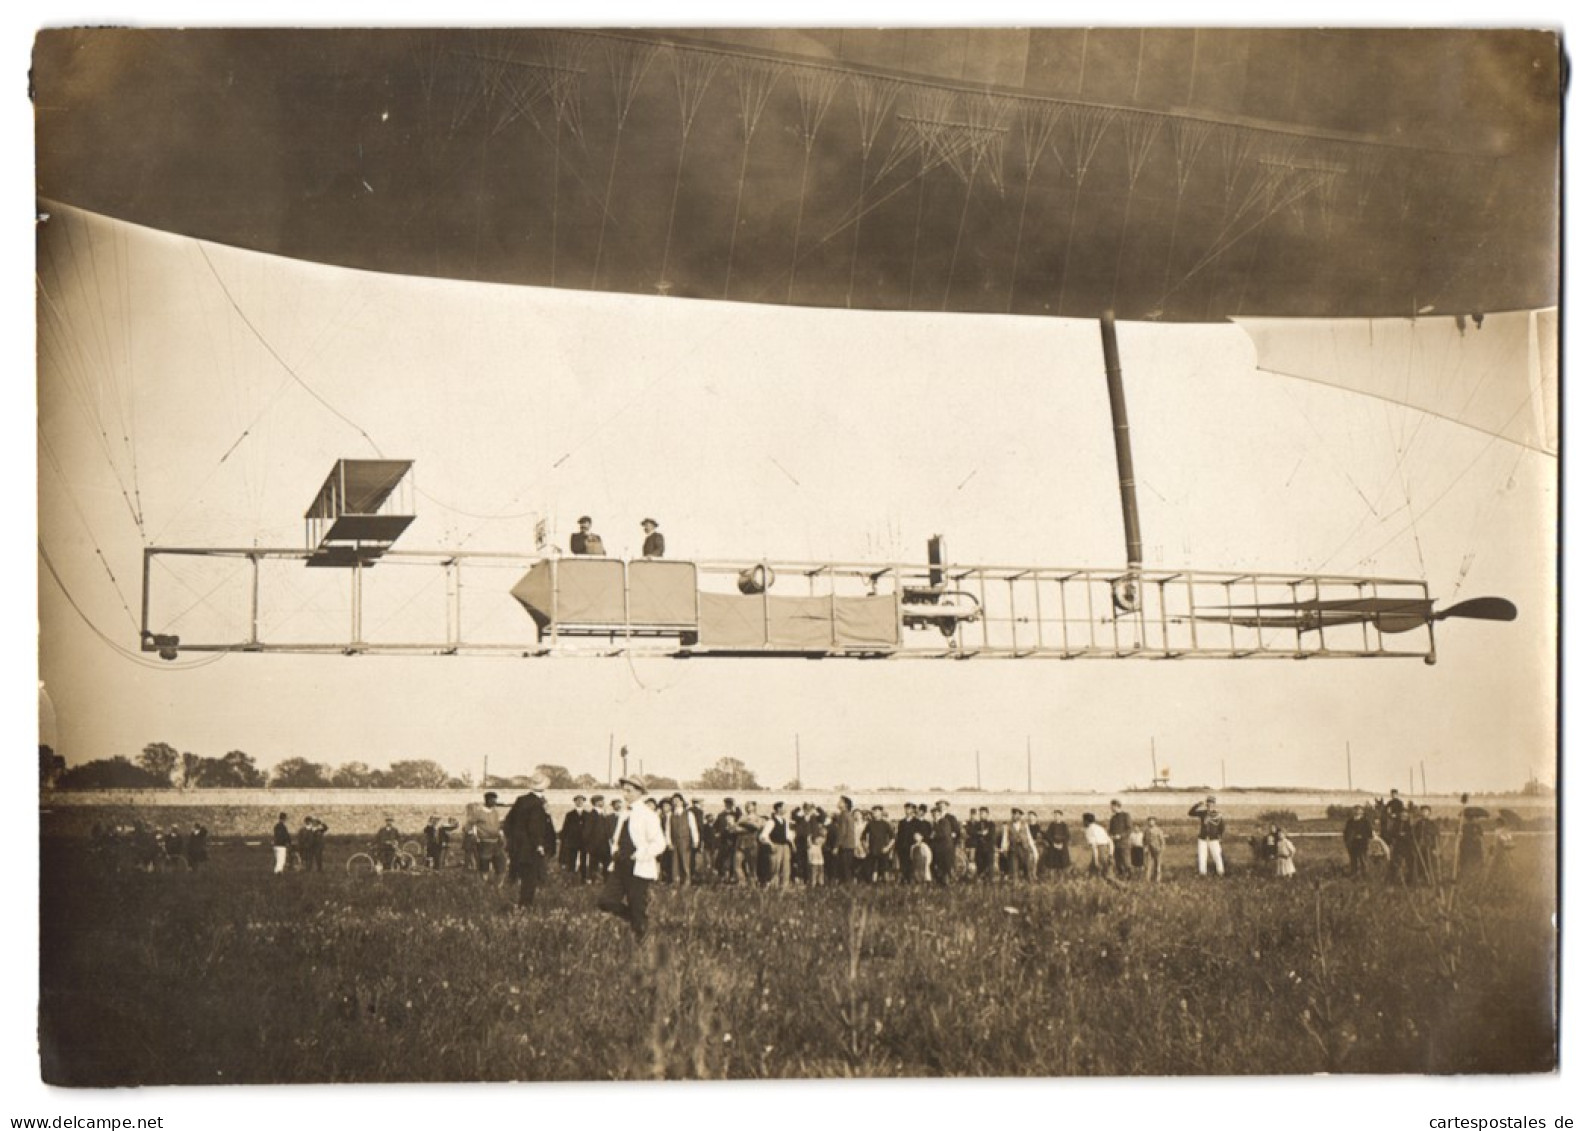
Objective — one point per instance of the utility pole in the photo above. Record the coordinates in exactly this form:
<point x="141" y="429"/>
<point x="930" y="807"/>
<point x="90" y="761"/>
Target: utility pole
<point x="1223" y="773"/>
<point x="485" y="781"/>
<point x="1028" y="749"/>
<point x="624" y="761"/>
<point x="797" y="760"/>
<point x="1423" y="787"/>
<point x="1350" y="766"/>
<point x="610" y="757"/>
<point x="978" y="779"/>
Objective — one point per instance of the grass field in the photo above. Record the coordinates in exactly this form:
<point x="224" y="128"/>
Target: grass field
<point x="232" y="975"/>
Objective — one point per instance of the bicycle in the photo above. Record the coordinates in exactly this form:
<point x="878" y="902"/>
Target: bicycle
<point x="366" y="864"/>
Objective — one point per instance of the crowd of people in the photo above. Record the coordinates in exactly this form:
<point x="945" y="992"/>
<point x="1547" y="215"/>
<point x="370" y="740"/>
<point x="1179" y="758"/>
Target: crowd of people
<point x="775" y="844"/>
<point x="149" y="848"/>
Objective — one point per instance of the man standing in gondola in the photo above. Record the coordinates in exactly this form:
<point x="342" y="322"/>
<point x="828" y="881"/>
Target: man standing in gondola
<point x="654" y="541"/>
<point x="585" y="543"/>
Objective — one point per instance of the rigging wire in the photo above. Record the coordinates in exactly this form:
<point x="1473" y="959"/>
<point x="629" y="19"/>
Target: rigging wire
<point x="1139" y="132"/>
<point x="54" y="461"/>
<point x="816" y="88"/>
<point x="78" y="380"/>
<point x="981" y="137"/>
<point x="295" y="376"/>
<point x="1447" y="490"/>
<point x="755" y="82"/>
<point x="628" y="62"/>
<point x="120" y="649"/>
<point x="1188" y="140"/>
<point x="1039" y="123"/>
<point x="694" y="72"/>
<point x="873" y="99"/>
<point x="1087" y="126"/>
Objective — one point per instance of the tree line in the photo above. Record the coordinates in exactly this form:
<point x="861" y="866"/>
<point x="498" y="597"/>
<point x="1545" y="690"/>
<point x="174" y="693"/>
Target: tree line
<point x="161" y="766"/>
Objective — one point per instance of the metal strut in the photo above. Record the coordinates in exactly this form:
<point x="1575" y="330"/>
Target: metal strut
<point x="1126" y="593"/>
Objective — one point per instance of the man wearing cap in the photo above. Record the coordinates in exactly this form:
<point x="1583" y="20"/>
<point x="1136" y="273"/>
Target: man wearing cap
<point x="387" y="843"/>
<point x="654" y="541"/>
<point x="484" y="825"/>
<point x="1058" y="838"/>
<point x="637" y="846"/>
<point x="983" y="842"/>
<point x="585" y="542"/>
<point x="683" y="834"/>
<point x="1017" y="845"/>
<point x="844" y="838"/>
<point x="530" y="839"/>
<point x="1212" y="826"/>
<point x="281" y="844"/>
<point x="944" y="837"/>
<point x="572" y="836"/>
<point x="437" y="839"/>
<point x="1356" y="835"/>
<point x="745" y="866"/>
<point x="777" y="833"/>
<point x="597" y="829"/>
<point x="1121" y="829"/>
<point x="726" y="842"/>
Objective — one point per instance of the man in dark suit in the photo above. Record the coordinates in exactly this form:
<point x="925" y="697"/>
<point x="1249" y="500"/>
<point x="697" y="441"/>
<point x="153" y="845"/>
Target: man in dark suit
<point x="654" y="541"/>
<point x="597" y="829"/>
<point x="1121" y="829"/>
<point x="530" y="839"/>
<point x="572" y="851"/>
<point x="585" y="542"/>
<point x="1057" y="837"/>
<point x="879" y="840"/>
<point x="844" y="838"/>
<point x="905" y="829"/>
<point x="981" y="841"/>
<point x="945" y="837"/>
<point x="725" y="825"/>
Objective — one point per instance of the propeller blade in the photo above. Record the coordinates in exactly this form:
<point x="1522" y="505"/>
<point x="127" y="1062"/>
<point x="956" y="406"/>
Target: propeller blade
<point x="1481" y="608"/>
<point x="1363" y="606"/>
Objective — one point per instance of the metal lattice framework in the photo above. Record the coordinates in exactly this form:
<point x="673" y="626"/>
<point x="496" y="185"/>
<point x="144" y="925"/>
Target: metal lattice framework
<point x="936" y="611"/>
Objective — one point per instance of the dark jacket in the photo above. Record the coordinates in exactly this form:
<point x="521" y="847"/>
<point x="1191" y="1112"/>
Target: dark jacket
<point x="528" y="829"/>
<point x="1357" y="832"/>
<point x="572" y="831"/>
<point x="1212" y="825"/>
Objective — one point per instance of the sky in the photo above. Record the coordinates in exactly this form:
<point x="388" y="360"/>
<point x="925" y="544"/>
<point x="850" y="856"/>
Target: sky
<point x="196" y="395"/>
